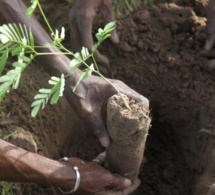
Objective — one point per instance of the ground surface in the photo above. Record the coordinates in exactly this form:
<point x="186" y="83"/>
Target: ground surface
<point x="158" y="56"/>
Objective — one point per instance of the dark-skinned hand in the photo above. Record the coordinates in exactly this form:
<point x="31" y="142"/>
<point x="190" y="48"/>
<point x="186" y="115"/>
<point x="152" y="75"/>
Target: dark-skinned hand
<point x="95" y="180"/>
<point x="81" y="18"/>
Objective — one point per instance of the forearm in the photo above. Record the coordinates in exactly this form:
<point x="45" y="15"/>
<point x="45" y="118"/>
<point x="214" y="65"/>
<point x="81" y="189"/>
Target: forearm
<point x="19" y="165"/>
<point x="14" y="11"/>
<point x="55" y="65"/>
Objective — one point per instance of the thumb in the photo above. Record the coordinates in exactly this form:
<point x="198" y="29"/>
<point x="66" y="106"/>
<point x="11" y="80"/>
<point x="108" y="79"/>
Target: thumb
<point x="99" y="130"/>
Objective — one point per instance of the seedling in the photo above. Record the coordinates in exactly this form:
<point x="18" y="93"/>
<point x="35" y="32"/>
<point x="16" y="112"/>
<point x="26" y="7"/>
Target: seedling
<point x="17" y="40"/>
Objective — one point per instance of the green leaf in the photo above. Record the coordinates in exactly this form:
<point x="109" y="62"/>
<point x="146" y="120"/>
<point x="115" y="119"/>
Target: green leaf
<point x="5" y="32"/>
<point x="16" y="84"/>
<point x="109" y="26"/>
<point x="3" y="89"/>
<point x="19" y="64"/>
<point x="4" y="39"/>
<point x="85" y="75"/>
<point x="95" y="46"/>
<point x="58" y="90"/>
<point x="24" y="58"/>
<point x="5" y="78"/>
<point x="37" y="102"/>
<point x="35" y="110"/>
<point x="3" y="60"/>
<point x="76" y="62"/>
<point x="108" y="31"/>
<point x="52" y="82"/>
<point x="2" y="95"/>
<point x="106" y="36"/>
<point x="14" y="31"/>
<point x="99" y="37"/>
<point x="45" y="90"/>
<point x="84" y="53"/>
<point x="30" y="10"/>
<point x="26" y="34"/>
<point x="55" y="79"/>
<point x="40" y="96"/>
<point x="16" y="51"/>
<point x="4" y="47"/>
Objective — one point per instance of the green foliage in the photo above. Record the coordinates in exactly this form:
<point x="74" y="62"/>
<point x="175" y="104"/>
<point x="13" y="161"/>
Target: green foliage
<point x="78" y="59"/>
<point x="58" y="39"/>
<point x="69" y="1"/>
<point x="85" y="75"/>
<point x="105" y="33"/>
<point x="6" y="188"/>
<point x="149" y="2"/>
<point x="5" y="136"/>
<point x="124" y="6"/>
<point x="44" y="95"/>
<point x="3" y="60"/>
<point x="14" y="39"/>
<point x="17" y="40"/>
<point x="32" y="8"/>
<point x="121" y="6"/>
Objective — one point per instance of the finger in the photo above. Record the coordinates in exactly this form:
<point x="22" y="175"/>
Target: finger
<point x="100" y="158"/>
<point x="120" y="183"/>
<point x="132" y="94"/>
<point x="127" y="190"/>
<point x="132" y="188"/>
<point x="100" y="130"/>
<point x="103" y="136"/>
<point x="209" y="42"/>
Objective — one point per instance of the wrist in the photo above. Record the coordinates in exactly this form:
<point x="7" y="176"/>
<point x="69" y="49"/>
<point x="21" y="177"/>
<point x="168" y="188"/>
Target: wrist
<point x="77" y="182"/>
<point x="63" y="176"/>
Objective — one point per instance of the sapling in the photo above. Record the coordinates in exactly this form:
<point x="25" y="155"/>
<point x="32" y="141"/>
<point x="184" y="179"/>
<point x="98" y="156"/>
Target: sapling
<point x="17" y="40"/>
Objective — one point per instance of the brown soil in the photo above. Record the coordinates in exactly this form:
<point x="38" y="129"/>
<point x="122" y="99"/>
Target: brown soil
<point x="158" y="56"/>
<point x="128" y="130"/>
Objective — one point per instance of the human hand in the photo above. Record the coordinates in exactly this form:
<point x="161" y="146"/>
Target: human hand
<point x="94" y="179"/>
<point x="91" y="95"/>
<point x="81" y="18"/>
<point x="210" y="27"/>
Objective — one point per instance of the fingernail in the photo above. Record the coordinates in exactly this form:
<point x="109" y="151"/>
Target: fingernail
<point x="105" y="142"/>
<point x="127" y="183"/>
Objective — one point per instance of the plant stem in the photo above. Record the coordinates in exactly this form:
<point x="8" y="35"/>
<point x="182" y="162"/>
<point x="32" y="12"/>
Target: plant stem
<point x="126" y="104"/>
<point x="44" y="17"/>
<point x="50" y="53"/>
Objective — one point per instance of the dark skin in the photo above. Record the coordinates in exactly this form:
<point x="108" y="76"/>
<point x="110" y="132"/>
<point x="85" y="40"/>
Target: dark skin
<point x="26" y="167"/>
<point x="210" y="27"/>
<point x="210" y="33"/>
<point x="87" y="101"/>
<point x="81" y="19"/>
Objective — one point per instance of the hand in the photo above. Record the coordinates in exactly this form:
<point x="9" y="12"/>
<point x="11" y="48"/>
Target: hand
<point x="81" y="18"/>
<point x="93" y="92"/>
<point x="97" y="180"/>
<point x="89" y="98"/>
<point x="210" y="27"/>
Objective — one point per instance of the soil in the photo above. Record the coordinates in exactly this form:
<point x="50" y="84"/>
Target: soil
<point x="128" y="130"/>
<point x="158" y="56"/>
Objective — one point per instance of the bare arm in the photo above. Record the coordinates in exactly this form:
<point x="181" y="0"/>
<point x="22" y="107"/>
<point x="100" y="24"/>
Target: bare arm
<point x="90" y="95"/>
<point x="19" y="165"/>
<point x="210" y="27"/>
